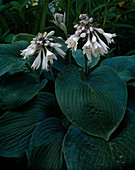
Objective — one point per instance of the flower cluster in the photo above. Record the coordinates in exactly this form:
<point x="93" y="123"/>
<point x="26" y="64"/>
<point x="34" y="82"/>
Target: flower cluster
<point x="40" y="45"/>
<point x="59" y="20"/>
<point x="89" y="30"/>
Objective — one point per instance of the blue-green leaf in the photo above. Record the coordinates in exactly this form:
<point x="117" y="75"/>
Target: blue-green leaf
<point x="95" y="104"/>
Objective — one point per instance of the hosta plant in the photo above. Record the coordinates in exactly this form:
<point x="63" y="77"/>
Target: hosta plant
<point x="67" y="112"/>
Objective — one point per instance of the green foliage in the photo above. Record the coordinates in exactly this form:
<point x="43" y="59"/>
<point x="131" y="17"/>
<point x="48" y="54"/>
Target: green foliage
<point x="87" y="152"/>
<point x="10" y="58"/>
<point x="45" y="151"/>
<point x="80" y="60"/>
<point x="65" y="119"/>
<point x="16" y="127"/>
<point x="86" y="102"/>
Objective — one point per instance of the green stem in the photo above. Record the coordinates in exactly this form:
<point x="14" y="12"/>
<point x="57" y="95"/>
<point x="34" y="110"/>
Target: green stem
<point x="86" y="66"/>
<point x="70" y="59"/>
<point x="34" y="74"/>
<point x="52" y="73"/>
<point x="106" y="10"/>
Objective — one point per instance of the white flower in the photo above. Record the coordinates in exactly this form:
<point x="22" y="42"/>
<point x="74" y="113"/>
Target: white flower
<point x="109" y="37"/>
<point x="39" y="45"/>
<point x="87" y="48"/>
<point x="100" y="30"/>
<point x="37" y="61"/>
<point x="104" y="46"/>
<point x="45" y="62"/>
<point x="72" y="42"/>
<point x="60" y="17"/>
<point x="57" y="48"/>
<point x="30" y="50"/>
<point x="47" y="58"/>
<point x="59" y="20"/>
<point x="97" y="48"/>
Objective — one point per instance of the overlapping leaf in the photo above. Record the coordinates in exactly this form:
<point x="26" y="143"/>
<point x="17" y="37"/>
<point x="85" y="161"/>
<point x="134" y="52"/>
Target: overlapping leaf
<point x="80" y="60"/>
<point x="45" y="150"/>
<point x="18" y="89"/>
<point x="124" y="65"/>
<point x="16" y="127"/>
<point x="83" y="151"/>
<point x="10" y="58"/>
<point x="23" y="36"/>
<point x="95" y="104"/>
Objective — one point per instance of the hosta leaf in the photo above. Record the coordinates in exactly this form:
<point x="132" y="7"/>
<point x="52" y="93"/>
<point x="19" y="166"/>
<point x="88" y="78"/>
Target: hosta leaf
<point x="124" y="65"/>
<point x="45" y="150"/>
<point x="23" y="37"/>
<point x="16" y="127"/>
<point x="60" y="63"/>
<point x="10" y="58"/>
<point x="80" y="60"/>
<point x="83" y="151"/>
<point x="95" y="104"/>
<point x="18" y="89"/>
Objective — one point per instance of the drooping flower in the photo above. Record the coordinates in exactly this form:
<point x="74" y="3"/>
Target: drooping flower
<point x="87" y="48"/>
<point x="72" y="42"/>
<point x="40" y="45"/>
<point x="86" y="29"/>
<point x="109" y="37"/>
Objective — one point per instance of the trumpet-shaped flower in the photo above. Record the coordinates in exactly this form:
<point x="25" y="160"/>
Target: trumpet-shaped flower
<point x="109" y="37"/>
<point x="87" y="49"/>
<point x="40" y="45"/>
<point x="86" y="28"/>
<point x="72" y="42"/>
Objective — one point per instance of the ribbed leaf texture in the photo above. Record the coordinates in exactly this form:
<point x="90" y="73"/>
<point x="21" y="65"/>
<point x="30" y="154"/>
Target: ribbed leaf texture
<point x="83" y="151"/>
<point x="17" y="89"/>
<point x="124" y="65"/>
<point x="16" y="127"/>
<point x="10" y="58"/>
<point x="95" y="104"/>
<point x="45" y="152"/>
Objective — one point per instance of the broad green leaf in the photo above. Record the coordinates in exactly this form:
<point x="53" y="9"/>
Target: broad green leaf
<point x="83" y="151"/>
<point x="60" y="63"/>
<point x="95" y="104"/>
<point x="9" y="38"/>
<point x="10" y="58"/>
<point x="80" y="60"/>
<point x="23" y="37"/>
<point x="45" y="150"/>
<point x="17" y="89"/>
<point x="16" y="127"/>
<point x="124" y="65"/>
<point x="79" y="57"/>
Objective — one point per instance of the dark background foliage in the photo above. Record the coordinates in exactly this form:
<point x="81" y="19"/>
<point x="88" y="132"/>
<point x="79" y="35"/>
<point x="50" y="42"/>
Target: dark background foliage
<point x="23" y="16"/>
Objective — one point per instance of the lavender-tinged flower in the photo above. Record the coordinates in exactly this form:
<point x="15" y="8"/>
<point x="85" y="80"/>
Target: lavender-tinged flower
<point x="59" y="20"/>
<point x="40" y="45"/>
<point x="94" y="45"/>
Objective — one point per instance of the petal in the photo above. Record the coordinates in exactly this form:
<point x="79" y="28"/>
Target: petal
<point x="83" y="35"/>
<point x="60" y="52"/>
<point x="101" y="31"/>
<point x="94" y="38"/>
<point x="45" y="62"/>
<point x="50" y="33"/>
<point x="37" y="61"/>
<point x="57" y="45"/>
